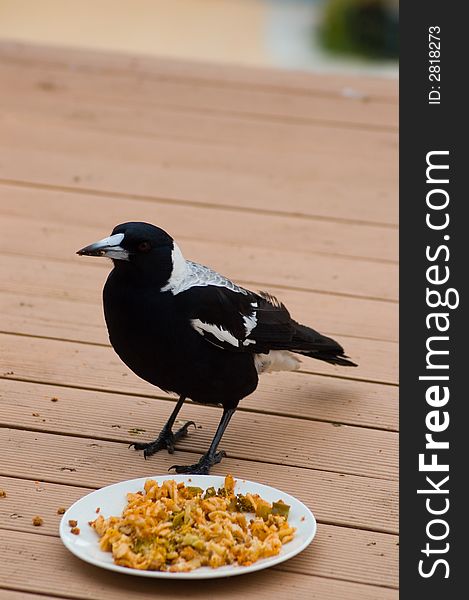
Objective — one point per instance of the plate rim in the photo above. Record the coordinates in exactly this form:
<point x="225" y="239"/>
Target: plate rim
<point x="200" y="573"/>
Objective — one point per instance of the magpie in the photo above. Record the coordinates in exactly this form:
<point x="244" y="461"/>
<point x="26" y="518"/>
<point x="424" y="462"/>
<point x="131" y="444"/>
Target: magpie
<point x="188" y="330"/>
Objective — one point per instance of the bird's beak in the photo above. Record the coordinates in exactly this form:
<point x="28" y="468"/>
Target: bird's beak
<point x="108" y="247"/>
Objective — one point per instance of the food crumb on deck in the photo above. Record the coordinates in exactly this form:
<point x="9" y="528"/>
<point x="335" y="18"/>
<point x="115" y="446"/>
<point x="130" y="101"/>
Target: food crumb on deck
<point x="136" y="430"/>
<point x="38" y="521"/>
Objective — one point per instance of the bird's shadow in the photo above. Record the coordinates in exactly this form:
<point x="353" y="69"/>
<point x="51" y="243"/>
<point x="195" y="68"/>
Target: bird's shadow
<point x="311" y="397"/>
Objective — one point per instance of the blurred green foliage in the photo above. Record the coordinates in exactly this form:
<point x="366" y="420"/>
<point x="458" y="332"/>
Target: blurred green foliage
<point x="368" y="28"/>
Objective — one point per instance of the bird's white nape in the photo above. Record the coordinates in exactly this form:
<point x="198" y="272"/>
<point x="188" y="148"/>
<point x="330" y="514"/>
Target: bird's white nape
<point x="178" y="272"/>
<point x="186" y="274"/>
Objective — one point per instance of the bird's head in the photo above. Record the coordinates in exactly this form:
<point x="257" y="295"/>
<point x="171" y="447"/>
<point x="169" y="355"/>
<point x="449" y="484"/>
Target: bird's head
<point x="140" y="247"/>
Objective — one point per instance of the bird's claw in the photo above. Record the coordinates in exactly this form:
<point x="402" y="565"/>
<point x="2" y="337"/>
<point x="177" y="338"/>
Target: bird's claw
<point x="184" y="430"/>
<point x="202" y="467"/>
<point x="166" y="439"/>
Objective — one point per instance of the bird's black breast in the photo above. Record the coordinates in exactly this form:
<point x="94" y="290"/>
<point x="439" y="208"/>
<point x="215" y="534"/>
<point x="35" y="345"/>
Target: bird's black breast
<point x="152" y="334"/>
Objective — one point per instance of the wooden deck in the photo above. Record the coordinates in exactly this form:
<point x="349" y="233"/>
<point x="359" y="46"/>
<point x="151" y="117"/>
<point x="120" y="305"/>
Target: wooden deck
<point x="285" y="182"/>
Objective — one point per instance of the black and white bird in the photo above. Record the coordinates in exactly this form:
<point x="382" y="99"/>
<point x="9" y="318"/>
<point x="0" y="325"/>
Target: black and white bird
<point x="189" y="330"/>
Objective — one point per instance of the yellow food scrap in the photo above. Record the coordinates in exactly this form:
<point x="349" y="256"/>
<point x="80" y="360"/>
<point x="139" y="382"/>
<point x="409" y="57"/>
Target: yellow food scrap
<point x="171" y="527"/>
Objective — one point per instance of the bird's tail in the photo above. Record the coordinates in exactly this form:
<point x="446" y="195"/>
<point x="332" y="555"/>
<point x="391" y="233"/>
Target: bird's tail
<point x="308" y="342"/>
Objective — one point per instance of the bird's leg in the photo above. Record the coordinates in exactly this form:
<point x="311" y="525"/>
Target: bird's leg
<point x="166" y="438"/>
<point x="212" y="457"/>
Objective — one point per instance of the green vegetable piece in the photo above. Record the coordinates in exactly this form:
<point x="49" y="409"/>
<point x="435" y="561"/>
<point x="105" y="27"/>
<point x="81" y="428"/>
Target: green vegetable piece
<point x="280" y="508"/>
<point x="210" y="492"/>
<point x="263" y="510"/>
<point x="244" y="504"/>
<point x="178" y="519"/>
<point x="194" y="491"/>
<point x="139" y="545"/>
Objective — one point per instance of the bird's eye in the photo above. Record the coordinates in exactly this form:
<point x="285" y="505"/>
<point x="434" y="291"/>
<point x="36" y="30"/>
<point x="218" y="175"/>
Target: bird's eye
<point x="144" y="247"/>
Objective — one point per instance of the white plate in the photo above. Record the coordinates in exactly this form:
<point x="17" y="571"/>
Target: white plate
<point x="113" y="498"/>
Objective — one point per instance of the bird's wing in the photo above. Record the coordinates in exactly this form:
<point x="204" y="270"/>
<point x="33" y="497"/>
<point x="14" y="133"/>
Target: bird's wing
<point x="237" y="319"/>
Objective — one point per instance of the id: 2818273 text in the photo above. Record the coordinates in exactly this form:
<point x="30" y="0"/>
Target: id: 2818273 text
<point x="434" y="67"/>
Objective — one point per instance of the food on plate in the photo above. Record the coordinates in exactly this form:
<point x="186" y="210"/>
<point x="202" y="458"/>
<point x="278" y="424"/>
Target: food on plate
<point x="178" y="528"/>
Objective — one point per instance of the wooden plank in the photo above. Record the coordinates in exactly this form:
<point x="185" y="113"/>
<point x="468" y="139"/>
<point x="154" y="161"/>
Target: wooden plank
<point x="200" y="222"/>
<point x="71" y="319"/>
<point x="297" y="394"/>
<point x="29" y="54"/>
<point x="15" y="595"/>
<point x="372" y="562"/>
<point x="41" y="152"/>
<point x="312" y="444"/>
<point x="377" y="361"/>
<point x="270" y="438"/>
<point x="265" y="266"/>
<point x="336" y="498"/>
<point x="305" y="396"/>
<point x="31" y="95"/>
<point x="71" y="288"/>
<point x="336" y="109"/>
<point x="340" y="499"/>
<point x="350" y="501"/>
<point x="64" y="574"/>
<point x="79" y="107"/>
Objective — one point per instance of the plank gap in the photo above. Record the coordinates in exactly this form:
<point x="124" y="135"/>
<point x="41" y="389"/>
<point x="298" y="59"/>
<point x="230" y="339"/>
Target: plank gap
<point x="194" y="204"/>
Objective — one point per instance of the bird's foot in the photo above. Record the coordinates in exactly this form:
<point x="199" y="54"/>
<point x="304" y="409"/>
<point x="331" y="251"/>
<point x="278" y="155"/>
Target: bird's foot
<point x="166" y="439"/>
<point x="203" y="466"/>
